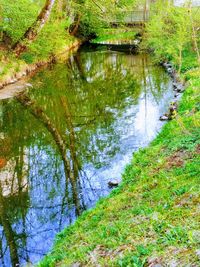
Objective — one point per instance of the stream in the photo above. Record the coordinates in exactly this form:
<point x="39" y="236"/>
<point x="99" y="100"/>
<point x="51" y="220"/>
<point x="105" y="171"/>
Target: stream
<point x="66" y="137"/>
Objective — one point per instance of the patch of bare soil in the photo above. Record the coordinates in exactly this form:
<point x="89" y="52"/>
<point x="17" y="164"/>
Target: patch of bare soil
<point x="198" y="149"/>
<point x="178" y="159"/>
<point x="101" y="252"/>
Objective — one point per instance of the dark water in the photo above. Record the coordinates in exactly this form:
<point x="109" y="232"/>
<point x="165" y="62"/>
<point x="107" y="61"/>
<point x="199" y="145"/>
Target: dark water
<point x="66" y="137"/>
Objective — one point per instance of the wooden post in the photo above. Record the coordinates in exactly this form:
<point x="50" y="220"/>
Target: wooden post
<point x="145" y="13"/>
<point x="145" y="10"/>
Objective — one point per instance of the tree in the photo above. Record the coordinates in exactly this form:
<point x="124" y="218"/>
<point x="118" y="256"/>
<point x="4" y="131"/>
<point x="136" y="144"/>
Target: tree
<point x="174" y="34"/>
<point x="33" y="30"/>
<point x="17" y="17"/>
<point x="194" y="25"/>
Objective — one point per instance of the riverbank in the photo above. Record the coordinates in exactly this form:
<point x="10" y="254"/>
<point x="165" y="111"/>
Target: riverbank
<point x="21" y="69"/>
<point x="30" y="43"/>
<point x="153" y="216"/>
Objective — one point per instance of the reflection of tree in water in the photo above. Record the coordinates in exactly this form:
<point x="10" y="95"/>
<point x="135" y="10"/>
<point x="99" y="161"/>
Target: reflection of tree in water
<point x="69" y="117"/>
<point x="13" y="191"/>
<point x="71" y="173"/>
<point x="94" y="105"/>
<point x="13" y="207"/>
<point x="8" y="231"/>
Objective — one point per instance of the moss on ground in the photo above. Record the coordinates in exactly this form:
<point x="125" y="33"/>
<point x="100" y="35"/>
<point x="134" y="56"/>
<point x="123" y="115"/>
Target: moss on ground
<point x="154" y="216"/>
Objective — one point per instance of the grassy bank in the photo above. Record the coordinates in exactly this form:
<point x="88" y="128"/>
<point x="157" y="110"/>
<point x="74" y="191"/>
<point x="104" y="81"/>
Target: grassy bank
<point x="153" y="217"/>
<point x="116" y="34"/>
<point x="51" y="41"/>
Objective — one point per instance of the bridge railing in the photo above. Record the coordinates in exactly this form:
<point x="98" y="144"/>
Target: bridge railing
<point x="137" y="16"/>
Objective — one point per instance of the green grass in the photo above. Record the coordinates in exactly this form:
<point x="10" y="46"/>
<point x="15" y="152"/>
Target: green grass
<point x="18" y="16"/>
<point x="9" y="64"/>
<point x="115" y="34"/>
<point x="46" y="44"/>
<point x="43" y="47"/>
<point x="153" y="217"/>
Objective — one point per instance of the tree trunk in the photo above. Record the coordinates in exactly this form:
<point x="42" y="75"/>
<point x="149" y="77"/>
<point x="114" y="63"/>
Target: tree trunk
<point x="76" y="26"/>
<point x="32" y="32"/>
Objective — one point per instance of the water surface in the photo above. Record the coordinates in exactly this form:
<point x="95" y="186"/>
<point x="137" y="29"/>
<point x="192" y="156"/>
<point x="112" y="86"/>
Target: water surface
<point x="65" y="138"/>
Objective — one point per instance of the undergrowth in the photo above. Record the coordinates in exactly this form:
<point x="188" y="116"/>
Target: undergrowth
<point x="53" y="38"/>
<point x="119" y="34"/>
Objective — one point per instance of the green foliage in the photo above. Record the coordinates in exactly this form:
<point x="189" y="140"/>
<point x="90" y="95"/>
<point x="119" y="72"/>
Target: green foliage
<point x="171" y="35"/>
<point x="53" y="37"/>
<point x="112" y="35"/>
<point x="97" y="15"/>
<point x="28" y="57"/>
<point x="46" y="44"/>
<point x="18" y="16"/>
<point x="189" y="60"/>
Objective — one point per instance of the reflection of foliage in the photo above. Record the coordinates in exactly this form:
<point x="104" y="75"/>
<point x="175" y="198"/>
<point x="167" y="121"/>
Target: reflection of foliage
<point x="16" y="124"/>
<point x="16" y="205"/>
<point x="103" y="91"/>
<point x="98" y="86"/>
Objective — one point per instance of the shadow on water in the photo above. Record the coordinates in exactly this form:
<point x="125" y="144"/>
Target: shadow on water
<point x="126" y="47"/>
<point x="63" y="140"/>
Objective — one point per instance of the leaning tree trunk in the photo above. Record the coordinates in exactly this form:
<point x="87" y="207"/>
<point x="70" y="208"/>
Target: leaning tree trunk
<point x="39" y="114"/>
<point x="74" y="28"/>
<point x="72" y="137"/>
<point x="32" y="32"/>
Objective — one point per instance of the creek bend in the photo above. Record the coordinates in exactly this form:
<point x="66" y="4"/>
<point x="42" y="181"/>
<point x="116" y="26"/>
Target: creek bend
<point x="65" y="138"/>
